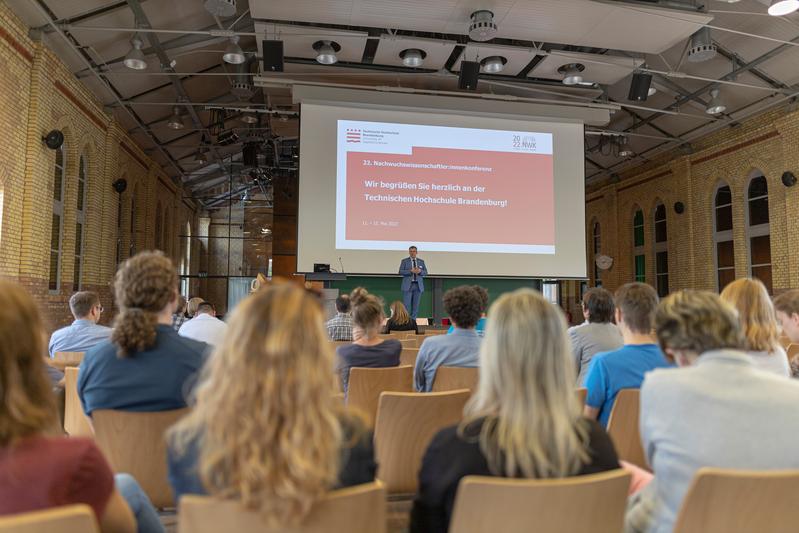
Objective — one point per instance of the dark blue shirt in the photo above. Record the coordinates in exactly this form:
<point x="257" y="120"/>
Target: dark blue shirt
<point x="387" y="353"/>
<point x="620" y="369"/>
<point x="158" y="379"/>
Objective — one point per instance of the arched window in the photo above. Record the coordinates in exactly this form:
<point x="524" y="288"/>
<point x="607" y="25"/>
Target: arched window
<point x="639" y="257"/>
<point x="185" y="260"/>
<point x="722" y="236"/>
<point x="757" y="229"/>
<point x="132" y="246"/>
<point x="159" y="222"/>
<point x="661" y="251"/>
<point x="57" y="230"/>
<point x="119" y="229"/>
<point x="597" y="249"/>
<point x="80" y="224"/>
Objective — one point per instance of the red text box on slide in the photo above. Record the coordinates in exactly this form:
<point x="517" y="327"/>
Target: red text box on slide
<point x="525" y="181"/>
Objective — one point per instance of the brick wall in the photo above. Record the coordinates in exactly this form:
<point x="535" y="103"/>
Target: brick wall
<point x="765" y="144"/>
<point x="39" y="94"/>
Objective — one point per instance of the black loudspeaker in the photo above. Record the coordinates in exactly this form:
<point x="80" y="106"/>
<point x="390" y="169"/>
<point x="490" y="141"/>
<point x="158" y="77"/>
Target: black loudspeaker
<point x="273" y="56"/>
<point x="120" y="185"/>
<point x="679" y="208"/>
<point x="639" y="86"/>
<point x="467" y="80"/>
<point x="788" y="178"/>
<point x="54" y="139"/>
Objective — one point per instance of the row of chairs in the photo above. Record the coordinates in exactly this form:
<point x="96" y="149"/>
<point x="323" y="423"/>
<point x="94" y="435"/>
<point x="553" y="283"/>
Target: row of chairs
<point x="718" y="501"/>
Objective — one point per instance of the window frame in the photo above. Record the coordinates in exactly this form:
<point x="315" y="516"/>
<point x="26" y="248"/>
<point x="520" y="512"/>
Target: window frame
<point x="661" y="247"/>
<point x="639" y="250"/>
<point x="721" y="236"/>
<point x="758" y="230"/>
<point x="58" y="211"/>
<point x="80" y="219"/>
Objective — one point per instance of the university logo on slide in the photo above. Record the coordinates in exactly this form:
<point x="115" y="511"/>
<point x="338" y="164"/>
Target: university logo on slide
<point x="353" y="135"/>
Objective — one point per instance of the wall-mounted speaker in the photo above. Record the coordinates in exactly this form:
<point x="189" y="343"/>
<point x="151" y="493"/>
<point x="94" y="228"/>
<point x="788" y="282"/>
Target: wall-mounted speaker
<point x="788" y="178"/>
<point x="467" y="80"/>
<point x="273" y="56"/>
<point x="120" y="185"/>
<point x="679" y="208"/>
<point x="54" y="139"/>
<point x="639" y="86"/>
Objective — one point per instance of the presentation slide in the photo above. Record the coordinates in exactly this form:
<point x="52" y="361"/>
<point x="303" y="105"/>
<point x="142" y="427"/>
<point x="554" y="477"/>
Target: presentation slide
<point x="445" y="189"/>
<point x="481" y="190"/>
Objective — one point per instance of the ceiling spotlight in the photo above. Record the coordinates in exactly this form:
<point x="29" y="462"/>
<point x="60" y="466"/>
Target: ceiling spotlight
<point x="175" y="122"/>
<point x="782" y="7"/>
<point x="326" y="52"/>
<point x="249" y="118"/>
<point x="702" y="47"/>
<point x="716" y="105"/>
<point x="493" y="64"/>
<point x="413" y="57"/>
<point x="135" y="58"/>
<point x="651" y="91"/>
<point x="572" y="73"/>
<point x="233" y="53"/>
<point x="624" y="148"/>
<point x="284" y="118"/>
<point x="482" y="27"/>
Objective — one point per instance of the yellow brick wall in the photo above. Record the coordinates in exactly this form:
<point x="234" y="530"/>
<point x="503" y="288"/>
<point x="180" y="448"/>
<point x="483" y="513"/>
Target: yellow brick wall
<point x="765" y="143"/>
<point x="39" y="94"/>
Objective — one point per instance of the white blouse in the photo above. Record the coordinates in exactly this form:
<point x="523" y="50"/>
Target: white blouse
<point x="775" y="362"/>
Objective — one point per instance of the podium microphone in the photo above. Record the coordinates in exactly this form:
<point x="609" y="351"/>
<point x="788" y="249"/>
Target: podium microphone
<point x="342" y="265"/>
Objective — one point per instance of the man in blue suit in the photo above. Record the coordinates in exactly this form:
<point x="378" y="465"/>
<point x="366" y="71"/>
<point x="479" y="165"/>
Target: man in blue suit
<point x="413" y="270"/>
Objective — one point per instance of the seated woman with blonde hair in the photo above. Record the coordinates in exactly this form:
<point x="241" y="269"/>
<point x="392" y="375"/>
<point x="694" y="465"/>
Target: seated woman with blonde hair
<point x="39" y="470"/>
<point x="400" y="320"/>
<point x="266" y="429"/>
<point x="758" y="321"/>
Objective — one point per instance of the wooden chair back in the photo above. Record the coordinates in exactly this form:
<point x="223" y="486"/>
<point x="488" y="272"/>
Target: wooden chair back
<point x="455" y="378"/>
<point x="366" y="384"/>
<point x="582" y="394"/>
<point x="792" y="351"/>
<point x="579" y="504"/>
<point x="61" y="360"/>
<point x="406" y="422"/>
<point x="785" y="342"/>
<point x="76" y="423"/>
<point x="77" y="518"/>
<point x="430" y="332"/>
<point x="134" y="443"/>
<point x="408" y="356"/>
<point x="624" y="430"/>
<point x="409" y="343"/>
<point x="736" y="501"/>
<point x="358" y="509"/>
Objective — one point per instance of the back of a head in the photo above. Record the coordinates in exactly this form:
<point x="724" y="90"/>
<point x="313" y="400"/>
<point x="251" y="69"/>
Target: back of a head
<point x="464" y="306"/>
<point x="637" y="303"/>
<point x="205" y="308"/>
<point x="599" y="304"/>
<point x="787" y="302"/>
<point x="26" y="401"/>
<point x="343" y="303"/>
<point x="482" y="292"/>
<point x="271" y="435"/>
<point x="399" y="314"/>
<point x="81" y="303"/>
<point x="367" y="309"/>
<point x="144" y="286"/>
<point x="526" y="390"/>
<point x="697" y="321"/>
<point x="755" y="313"/>
<point x="192" y="305"/>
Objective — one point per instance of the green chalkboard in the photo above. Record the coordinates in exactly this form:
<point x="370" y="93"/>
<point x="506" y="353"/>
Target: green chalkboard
<point x="495" y="286"/>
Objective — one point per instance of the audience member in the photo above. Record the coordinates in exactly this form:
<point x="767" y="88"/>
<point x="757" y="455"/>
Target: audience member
<point x="625" y="368"/>
<point x="787" y="307"/>
<point x="146" y="365"/>
<point x="39" y="471"/>
<point x="481" y="324"/>
<point x="758" y="324"/>
<point x="719" y="410"/>
<point x="192" y="305"/>
<point x="524" y="420"/>
<point x="204" y="327"/>
<point x="339" y="328"/>
<point x="179" y="316"/>
<point x="400" y="320"/>
<point x="84" y="332"/>
<point x="462" y="348"/>
<point x="280" y="457"/>
<point x="367" y="349"/>
<point x="597" y="334"/>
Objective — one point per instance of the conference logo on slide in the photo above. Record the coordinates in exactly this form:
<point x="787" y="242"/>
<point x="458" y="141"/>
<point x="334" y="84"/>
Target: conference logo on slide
<point x="353" y="135"/>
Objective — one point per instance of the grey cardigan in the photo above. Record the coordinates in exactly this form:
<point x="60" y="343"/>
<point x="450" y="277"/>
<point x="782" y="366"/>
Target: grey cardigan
<point x="589" y="339"/>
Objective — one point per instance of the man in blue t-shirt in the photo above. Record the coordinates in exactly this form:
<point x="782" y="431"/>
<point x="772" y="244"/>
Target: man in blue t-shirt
<point x="625" y="368"/>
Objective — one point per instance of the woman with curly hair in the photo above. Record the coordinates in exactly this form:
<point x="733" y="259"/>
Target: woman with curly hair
<point x="266" y="430"/>
<point x="146" y="365"/>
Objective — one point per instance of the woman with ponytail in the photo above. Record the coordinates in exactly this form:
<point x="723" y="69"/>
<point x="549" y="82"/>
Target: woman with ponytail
<point x="145" y="366"/>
